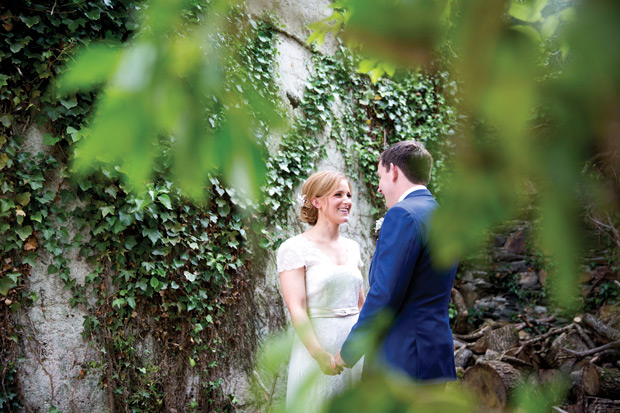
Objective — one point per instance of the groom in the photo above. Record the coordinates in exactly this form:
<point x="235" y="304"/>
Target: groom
<point x="406" y="288"/>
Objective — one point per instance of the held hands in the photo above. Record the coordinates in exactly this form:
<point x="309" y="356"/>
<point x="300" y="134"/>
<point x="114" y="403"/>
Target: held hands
<point x="328" y="363"/>
<point x="339" y="361"/>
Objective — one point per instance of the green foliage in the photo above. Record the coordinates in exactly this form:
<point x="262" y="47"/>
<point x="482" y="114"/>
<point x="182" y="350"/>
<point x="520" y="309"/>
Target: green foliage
<point x="9" y="400"/>
<point x="606" y="292"/>
<point x="176" y="80"/>
<point x="37" y="39"/>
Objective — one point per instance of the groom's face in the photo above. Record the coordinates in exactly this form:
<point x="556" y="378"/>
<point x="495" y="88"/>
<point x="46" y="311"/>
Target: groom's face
<point x="386" y="184"/>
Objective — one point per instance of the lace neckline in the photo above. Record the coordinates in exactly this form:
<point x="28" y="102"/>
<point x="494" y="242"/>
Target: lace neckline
<point x="346" y="252"/>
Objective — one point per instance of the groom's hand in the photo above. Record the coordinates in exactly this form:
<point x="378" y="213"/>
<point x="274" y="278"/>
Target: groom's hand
<point x="327" y="362"/>
<point x="339" y="361"/>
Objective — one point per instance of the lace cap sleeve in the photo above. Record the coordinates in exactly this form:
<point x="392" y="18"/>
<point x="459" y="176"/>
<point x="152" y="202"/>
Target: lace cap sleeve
<point x="290" y="255"/>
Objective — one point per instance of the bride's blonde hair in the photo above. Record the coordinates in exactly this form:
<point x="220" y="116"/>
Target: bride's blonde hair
<point x="317" y="186"/>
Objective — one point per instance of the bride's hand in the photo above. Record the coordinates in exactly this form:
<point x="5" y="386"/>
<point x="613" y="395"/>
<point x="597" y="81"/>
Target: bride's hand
<point x="327" y="362"/>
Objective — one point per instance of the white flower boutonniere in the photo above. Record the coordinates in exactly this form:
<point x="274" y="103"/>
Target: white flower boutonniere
<point x="378" y="224"/>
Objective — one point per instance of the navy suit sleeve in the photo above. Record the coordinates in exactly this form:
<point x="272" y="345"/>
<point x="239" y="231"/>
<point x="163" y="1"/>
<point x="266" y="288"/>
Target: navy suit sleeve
<point x="398" y="248"/>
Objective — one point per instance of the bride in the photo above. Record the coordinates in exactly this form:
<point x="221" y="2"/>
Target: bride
<point x="322" y="287"/>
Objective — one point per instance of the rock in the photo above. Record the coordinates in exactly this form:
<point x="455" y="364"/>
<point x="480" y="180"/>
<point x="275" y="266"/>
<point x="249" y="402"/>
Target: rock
<point x="515" y="244"/>
<point x="542" y="277"/>
<point x="519" y="266"/>
<point x="528" y="280"/>
<point x="458" y="343"/>
<point x="507" y="256"/>
<point x="473" y="275"/>
<point x="498" y="240"/>
<point x="497" y="308"/>
<point x="462" y="357"/>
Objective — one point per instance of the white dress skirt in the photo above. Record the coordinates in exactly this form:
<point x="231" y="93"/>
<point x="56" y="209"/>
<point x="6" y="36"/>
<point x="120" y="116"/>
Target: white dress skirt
<point x="332" y="293"/>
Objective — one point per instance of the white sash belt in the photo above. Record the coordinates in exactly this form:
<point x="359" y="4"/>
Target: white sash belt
<point x="332" y="312"/>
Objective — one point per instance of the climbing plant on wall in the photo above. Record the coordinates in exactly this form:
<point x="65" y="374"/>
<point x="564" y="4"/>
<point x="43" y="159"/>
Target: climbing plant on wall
<point x="164" y="267"/>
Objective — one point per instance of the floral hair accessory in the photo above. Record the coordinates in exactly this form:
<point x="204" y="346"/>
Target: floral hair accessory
<point x="301" y="199"/>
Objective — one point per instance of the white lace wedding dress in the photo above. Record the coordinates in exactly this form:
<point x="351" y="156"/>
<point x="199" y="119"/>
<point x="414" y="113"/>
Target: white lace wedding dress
<point x="332" y="293"/>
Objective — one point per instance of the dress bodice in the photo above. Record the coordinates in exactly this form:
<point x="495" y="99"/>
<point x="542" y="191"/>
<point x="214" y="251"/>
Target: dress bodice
<point x="328" y="286"/>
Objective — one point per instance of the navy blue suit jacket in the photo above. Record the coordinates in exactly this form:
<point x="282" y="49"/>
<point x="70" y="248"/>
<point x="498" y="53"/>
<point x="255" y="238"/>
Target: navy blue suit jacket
<point x="415" y="294"/>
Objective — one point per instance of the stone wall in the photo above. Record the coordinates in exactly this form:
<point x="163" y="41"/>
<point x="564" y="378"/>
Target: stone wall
<point x="53" y="355"/>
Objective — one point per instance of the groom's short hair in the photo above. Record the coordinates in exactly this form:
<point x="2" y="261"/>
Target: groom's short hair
<point x="412" y="158"/>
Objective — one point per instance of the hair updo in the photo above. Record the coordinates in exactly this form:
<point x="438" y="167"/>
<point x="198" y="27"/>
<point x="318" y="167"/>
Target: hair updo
<point x="317" y="186"/>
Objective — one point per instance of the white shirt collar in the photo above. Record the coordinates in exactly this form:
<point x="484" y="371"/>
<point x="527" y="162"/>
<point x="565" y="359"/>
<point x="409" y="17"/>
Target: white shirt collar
<point x="410" y="190"/>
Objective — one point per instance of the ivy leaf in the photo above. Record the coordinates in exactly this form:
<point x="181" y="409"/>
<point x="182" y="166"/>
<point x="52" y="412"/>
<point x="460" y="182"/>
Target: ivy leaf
<point x="106" y="210"/>
<point x="69" y="103"/>
<point x="4" y="159"/>
<point x="111" y="190"/>
<point x="154" y="283"/>
<point x="23" y="198"/>
<point x="37" y="216"/>
<point x="224" y="210"/>
<point x="93" y="14"/>
<point x="126" y="219"/>
<point x="3" y="80"/>
<point x="6" y="120"/>
<point x="165" y="200"/>
<point x="119" y="302"/>
<point x="24" y="232"/>
<point x="6" y="284"/>
<point x="192" y="362"/>
<point x="152" y="233"/>
<point x="49" y="139"/>
<point x="19" y="45"/>
<point x="132" y="302"/>
<point x="30" y="20"/>
<point x="191" y="277"/>
<point x="29" y="258"/>
<point x="130" y="242"/>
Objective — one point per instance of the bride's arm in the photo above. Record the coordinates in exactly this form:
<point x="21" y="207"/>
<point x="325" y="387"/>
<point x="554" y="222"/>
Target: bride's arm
<point x="293" y="287"/>
<point x="361" y="299"/>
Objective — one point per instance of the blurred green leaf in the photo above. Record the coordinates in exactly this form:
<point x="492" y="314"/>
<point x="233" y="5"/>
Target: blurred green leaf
<point x="92" y="66"/>
<point x="527" y="10"/>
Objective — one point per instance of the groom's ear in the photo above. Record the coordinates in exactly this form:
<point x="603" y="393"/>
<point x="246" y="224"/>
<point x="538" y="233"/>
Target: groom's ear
<point x="394" y="172"/>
